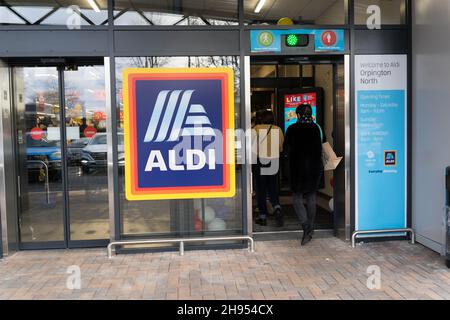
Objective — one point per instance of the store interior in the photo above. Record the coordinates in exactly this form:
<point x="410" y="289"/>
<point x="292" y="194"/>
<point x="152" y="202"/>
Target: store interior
<point x="279" y="84"/>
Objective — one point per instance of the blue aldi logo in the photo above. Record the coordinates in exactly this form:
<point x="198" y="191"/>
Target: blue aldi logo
<point x="390" y="158"/>
<point x="179" y="133"/>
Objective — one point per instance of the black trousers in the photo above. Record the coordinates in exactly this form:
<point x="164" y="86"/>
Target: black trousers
<point x="266" y="185"/>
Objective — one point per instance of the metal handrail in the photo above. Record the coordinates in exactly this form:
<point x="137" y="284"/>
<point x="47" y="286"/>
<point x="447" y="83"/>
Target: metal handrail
<point x="180" y="241"/>
<point x="47" y="184"/>
<point x="413" y="234"/>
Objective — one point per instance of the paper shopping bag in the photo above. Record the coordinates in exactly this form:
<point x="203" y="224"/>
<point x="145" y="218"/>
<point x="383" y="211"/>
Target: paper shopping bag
<point x="330" y="160"/>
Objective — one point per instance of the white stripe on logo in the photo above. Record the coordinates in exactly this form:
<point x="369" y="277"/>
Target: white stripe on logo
<point x="168" y="115"/>
<point x="151" y="130"/>
<point x="197" y="122"/>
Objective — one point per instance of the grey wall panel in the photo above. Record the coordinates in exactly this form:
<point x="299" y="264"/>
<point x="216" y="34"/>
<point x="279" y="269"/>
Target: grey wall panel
<point x="147" y="43"/>
<point x="382" y="41"/>
<point x="431" y="117"/>
<point x="52" y="43"/>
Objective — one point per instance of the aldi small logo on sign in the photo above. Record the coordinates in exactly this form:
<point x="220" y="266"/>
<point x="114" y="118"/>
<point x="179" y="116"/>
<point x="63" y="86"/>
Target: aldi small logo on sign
<point x="179" y="133"/>
<point x="390" y="158"/>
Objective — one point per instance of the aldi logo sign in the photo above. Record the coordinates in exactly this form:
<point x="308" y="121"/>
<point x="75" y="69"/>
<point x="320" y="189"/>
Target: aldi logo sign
<point x="179" y="133"/>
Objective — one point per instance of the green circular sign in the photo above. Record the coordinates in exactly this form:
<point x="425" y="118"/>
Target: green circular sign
<point x="265" y="39"/>
<point x="292" y="40"/>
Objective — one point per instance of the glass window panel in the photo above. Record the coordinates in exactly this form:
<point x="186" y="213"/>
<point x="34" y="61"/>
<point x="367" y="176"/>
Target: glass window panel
<point x="392" y="11"/>
<point x="131" y="18"/>
<point x="41" y="202"/>
<point x="62" y="17"/>
<point x="179" y="217"/>
<point x="9" y="17"/>
<point x="86" y="153"/>
<point x="289" y="70"/>
<point x="170" y="12"/>
<point x="166" y="19"/>
<point x="98" y="18"/>
<point x="32" y="14"/>
<point x="64" y="10"/>
<point x="299" y="11"/>
<point x="263" y="71"/>
<point x="307" y="70"/>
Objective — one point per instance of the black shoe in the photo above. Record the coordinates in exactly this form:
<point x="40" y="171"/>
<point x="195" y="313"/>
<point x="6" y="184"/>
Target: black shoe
<point x="261" y="221"/>
<point x="279" y="217"/>
<point x="306" y="234"/>
<point x="280" y="222"/>
<point x="306" y="238"/>
<point x="310" y="230"/>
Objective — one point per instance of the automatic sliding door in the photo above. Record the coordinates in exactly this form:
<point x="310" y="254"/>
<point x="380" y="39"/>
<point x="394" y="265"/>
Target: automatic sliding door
<point x="87" y="181"/>
<point x="62" y="177"/>
<point x="38" y="122"/>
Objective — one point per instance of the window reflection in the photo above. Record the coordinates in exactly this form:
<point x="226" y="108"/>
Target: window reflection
<point x="172" y="12"/>
<point x="41" y="201"/>
<point x="54" y="12"/>
<point x="392" y="11"/>
<point x="295" y="12"/>
<point x="87" y="153"/>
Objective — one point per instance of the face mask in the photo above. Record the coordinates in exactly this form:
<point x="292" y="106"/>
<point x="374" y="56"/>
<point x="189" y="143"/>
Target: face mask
<point x="305" y="119"/>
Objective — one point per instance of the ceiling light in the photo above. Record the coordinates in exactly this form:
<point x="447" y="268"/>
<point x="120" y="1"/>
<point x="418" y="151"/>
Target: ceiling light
<point x="259" y="6"/>
<point x="94" y="5"/>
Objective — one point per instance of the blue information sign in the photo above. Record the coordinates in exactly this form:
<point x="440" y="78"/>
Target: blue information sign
<point x="381" y="149"/>
<point x="267" y="41"/>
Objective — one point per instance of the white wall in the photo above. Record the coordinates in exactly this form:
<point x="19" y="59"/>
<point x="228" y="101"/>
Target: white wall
<point x="431" y="117"/>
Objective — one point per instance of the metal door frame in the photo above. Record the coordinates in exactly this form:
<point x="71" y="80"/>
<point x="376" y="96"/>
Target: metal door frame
<point x="248" y="151"/>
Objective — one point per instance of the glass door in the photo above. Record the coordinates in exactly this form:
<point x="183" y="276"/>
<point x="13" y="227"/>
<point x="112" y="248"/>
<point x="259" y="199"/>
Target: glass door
<point x="60" y="119"/>
<point x="86" y="154"/>
<point x="38" y="127"/>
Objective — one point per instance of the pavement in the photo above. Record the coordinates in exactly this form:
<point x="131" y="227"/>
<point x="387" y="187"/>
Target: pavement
<point x="327" y="268"/>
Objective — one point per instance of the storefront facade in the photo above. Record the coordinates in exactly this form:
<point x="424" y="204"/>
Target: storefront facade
<point x="61" y="73"/>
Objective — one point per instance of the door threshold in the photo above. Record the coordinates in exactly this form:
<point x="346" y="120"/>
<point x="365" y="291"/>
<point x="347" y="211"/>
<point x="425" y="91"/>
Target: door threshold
<point x="292" y="231"/>
<point x="291" y="235"/>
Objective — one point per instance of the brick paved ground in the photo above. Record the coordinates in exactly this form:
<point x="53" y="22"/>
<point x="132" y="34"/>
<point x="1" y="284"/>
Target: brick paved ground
<point x="325" y="269"/>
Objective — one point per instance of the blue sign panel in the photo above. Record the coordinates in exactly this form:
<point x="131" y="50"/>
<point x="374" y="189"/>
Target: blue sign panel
<point x="265" y="40"/>
<point x="381" y="159"/>
<point x="269" y="41"/>
<point x="329" y="40"/>
<point x="381" y="149"/>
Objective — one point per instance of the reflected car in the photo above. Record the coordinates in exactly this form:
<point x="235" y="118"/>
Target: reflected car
<point x="94" y="155"/>
<point x="42" y="154"/>
<point x="75" y="151"/>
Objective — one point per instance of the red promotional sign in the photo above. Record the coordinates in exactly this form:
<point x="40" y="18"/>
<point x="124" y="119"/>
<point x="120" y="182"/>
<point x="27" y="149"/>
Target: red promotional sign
<point x="294" y="100"/>
<point x="329" y="38"/>
<point x="89" y="132"/>
<point x="41" y="102"/>
<point x="37" y="133"/>
<point x="99" y="116"/>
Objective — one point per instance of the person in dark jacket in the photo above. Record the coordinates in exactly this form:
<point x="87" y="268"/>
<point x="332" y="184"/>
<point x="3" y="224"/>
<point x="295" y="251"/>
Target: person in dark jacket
<point x="303" y="144"/>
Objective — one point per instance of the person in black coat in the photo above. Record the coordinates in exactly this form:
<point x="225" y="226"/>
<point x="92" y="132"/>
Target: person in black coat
<point x="303" y="144"/>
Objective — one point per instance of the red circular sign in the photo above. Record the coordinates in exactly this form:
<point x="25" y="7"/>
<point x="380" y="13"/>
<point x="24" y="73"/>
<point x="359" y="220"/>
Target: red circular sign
<point x="329" y="38"/>
<point x="99" y="116"/>
<point x="37" y="133"/>
<point x="89" y="132"/>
